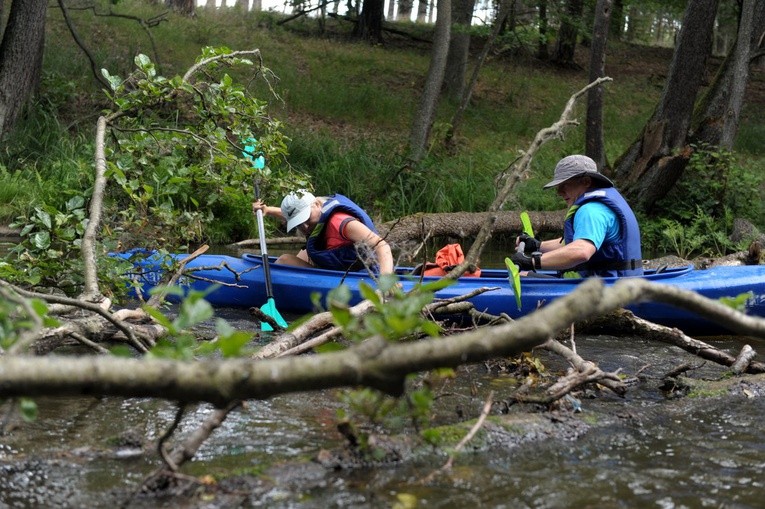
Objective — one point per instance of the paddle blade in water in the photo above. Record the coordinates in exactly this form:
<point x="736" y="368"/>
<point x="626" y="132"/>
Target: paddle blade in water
<point x="515" y="280"/>
<point x="269" y="308"/>
<point x="526" y="222"/>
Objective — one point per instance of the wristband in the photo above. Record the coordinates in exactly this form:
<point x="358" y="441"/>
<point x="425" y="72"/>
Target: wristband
<point x="536" y="260"/>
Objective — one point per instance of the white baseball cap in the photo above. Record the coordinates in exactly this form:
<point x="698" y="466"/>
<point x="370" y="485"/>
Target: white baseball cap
<point x="296" y="208"/>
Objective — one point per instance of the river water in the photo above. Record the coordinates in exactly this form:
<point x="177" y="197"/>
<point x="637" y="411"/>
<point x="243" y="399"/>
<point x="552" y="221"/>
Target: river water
<point x="656" y="451"/>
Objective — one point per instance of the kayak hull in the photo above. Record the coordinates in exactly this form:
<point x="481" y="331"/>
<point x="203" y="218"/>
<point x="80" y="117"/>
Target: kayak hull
<point x="239" y="282"/>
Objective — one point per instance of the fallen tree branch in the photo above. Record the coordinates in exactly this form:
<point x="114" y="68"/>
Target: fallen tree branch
<point x="223" y="381"/>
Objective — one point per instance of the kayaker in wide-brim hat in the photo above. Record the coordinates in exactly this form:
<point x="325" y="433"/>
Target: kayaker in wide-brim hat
<point x="601" y="236"/>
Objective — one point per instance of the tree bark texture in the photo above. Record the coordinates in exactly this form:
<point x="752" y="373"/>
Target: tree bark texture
<point x="568" y="32"/>
<point x="650" y="167"/>
<point x="459" y="47"/>
<point x="185" y="7"/>
<point x="422" y="10"/>
<point x="405" y="10"/>
<point x="21" y="53"/>
<point x="468" y="224"/>
<point x="467" y="92"/>
<point x="426" y="112"/>
<point x="369" y="26"/>
<point x="594" y="143"/>
<point x="720" y="108"/>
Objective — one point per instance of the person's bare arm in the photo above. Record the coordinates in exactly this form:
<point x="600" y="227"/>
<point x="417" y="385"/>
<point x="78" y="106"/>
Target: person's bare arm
<point x="551" y="245"/>
<point x="568" y="256"/>
<point x="267" y="210"/>
<point x="358" y="232"/>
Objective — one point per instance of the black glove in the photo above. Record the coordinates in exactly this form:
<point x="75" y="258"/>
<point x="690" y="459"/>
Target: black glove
<point x="527" y="262"/>
<point x="528" y="244"/>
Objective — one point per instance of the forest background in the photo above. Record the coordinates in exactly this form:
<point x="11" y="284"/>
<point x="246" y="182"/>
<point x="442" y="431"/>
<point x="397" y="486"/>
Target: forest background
<point x="346" y="107"/>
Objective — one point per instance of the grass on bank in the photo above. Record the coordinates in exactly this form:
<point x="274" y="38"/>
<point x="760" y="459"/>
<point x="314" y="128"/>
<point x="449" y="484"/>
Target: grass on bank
<point x="346" y="106"/>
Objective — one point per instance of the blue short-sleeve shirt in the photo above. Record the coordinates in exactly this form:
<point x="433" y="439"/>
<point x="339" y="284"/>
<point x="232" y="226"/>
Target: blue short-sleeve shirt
<point x="596" y="222"/>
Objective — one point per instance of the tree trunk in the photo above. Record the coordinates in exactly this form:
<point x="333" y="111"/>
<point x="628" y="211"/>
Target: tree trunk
<point x="369" y="26"/>
<point x="467" y="224"/>
<point x="616" y="25"/>
<point x="652" y="164"/>
<point x="468" y="89"/>
<point x="542" y="53"/>
<point x="422" y="10"/>
<point x="595" y="146"/>
<point x="405" y="10"/>
<point x="459" y="48"/>
<point x="185" y="7"/>
<point x="425" y="115"/>
<point x="391" y="10"/>
<point x="568" y="33"/>
<point x="21" y="53"/>
<point x="720" y="107"/>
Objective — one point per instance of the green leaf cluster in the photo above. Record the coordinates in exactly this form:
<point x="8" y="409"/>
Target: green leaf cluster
<point x="397" y="315"/>
<point x="49" y="252"/>
<point x="696" y="216"/>
<point x="178" y="154"/>
<point x="181" y="342"/>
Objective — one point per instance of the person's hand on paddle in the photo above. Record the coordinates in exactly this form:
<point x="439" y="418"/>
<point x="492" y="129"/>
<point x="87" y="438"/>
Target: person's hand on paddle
<point x="267" y="211"/>
<point x="525" y="261"/>
<point x="527" y="244"/>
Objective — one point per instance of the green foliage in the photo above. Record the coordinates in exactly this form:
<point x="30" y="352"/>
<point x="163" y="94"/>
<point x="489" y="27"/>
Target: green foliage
<point x="702" y="235"/>
<point x="696" y="216"/>
<point x="181" y="343"/>
<point x="19" y="316"/>
<point x="42" y="164"/>
<point x="382" y="412"/>
<point x="394" y="319"/>
<point x="28" y="409"/>
<point x="178" y="158"/>
<point x="49" y="252"/>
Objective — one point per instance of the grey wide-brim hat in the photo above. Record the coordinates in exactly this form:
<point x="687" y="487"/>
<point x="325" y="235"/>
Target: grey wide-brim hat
<point x="577" y="166"/>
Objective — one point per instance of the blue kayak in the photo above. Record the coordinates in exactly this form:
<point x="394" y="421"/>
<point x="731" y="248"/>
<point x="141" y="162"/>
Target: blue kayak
<point x="240" y="284"/>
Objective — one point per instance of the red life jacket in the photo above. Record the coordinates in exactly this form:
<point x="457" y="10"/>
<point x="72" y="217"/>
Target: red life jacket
<point x="447" y="258"/>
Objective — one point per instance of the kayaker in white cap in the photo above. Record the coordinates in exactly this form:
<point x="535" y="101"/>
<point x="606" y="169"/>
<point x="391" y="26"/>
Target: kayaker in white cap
<point x="601" y="236"/>
<point x="336" y="230"/>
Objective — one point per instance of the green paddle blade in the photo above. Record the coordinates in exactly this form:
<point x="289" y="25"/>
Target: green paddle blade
<point x="515" y="280"/>
<point x="269" y="308"/>
<point x="526" y="222"/>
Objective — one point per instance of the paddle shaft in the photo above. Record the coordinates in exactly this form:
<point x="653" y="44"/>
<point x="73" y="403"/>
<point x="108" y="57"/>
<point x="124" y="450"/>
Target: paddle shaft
<point x="263" y="250"/>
